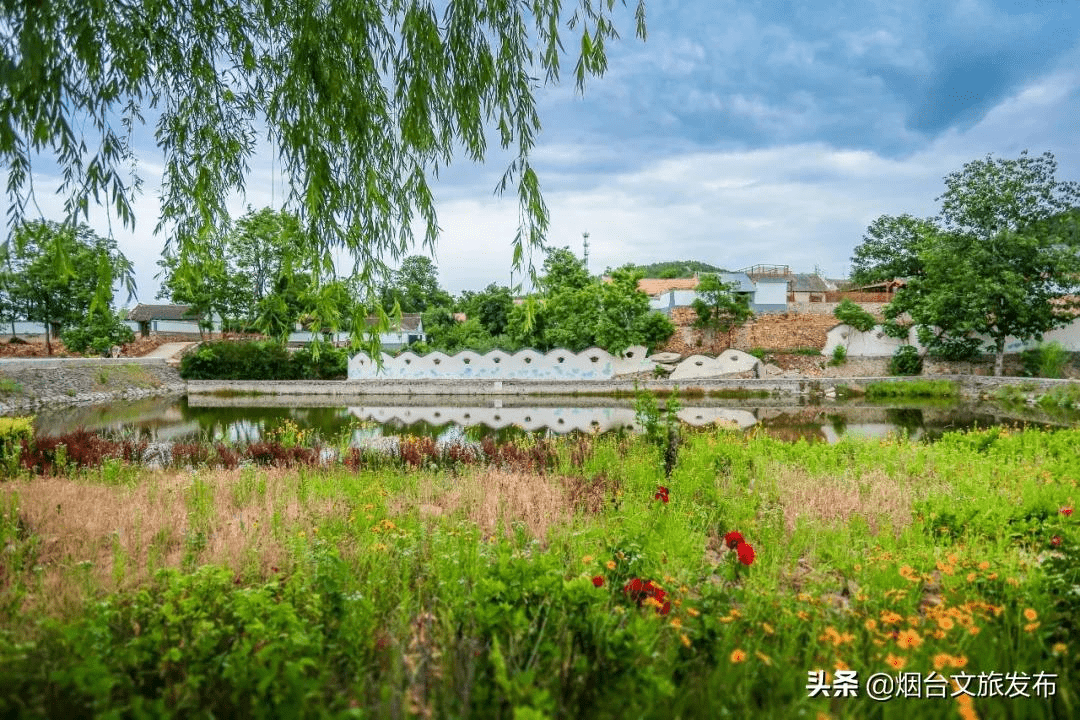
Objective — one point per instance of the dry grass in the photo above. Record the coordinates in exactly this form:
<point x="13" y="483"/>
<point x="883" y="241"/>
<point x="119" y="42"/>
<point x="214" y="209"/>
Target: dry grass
<point x="103" y="538"/>
<point x="494" y="498"/>
<point x="881" y="501"/>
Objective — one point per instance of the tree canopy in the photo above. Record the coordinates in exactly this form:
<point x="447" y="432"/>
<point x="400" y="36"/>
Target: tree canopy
<point x="61" y="276"/>
<point x="362" y="101"/>
<point x="719" y="307"/>
<point x="998" y="263"/>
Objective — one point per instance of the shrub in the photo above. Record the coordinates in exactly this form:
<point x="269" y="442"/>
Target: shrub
<point x="906" y="361"/>
<point x="912" y="389"/>
<point x="956" y="348"/>
<point x="251" y="360"/>
<point x="100" y="332"/>
<point x="851" y="314"/>
<point x="1044" y="360"/>
<point x="332" y="363"/>
<point x="14" y="432"/>
<point x="839" y="355"/>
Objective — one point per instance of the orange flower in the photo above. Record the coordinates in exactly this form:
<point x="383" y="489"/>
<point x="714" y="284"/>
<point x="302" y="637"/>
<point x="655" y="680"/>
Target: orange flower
<point x="897" y="662"/>
<point x="871" y="624"/>
<point x="767" y="628"/>
<point x="908" y="640"/>
<point x="945" y="623"/>
<point x="941" y="660"/>
<point x="737" y="656"/>
<point x="908" y="573"/>
<point x="610" y="564"/>
<point x="1031" y="627"/>
<point x="1030" y="615"/>
<point x="984" y="565"/>
<point x="888" y="617"/>
<point x="684" y="640"/>
<point x="763" y="657"/>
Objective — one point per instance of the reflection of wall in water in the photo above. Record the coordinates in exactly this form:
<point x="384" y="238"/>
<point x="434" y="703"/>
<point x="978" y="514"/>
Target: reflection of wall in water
<point x="557" y="419"/>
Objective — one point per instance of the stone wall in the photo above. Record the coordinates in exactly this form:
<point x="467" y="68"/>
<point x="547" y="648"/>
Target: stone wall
<point x="26" y="385"/>
<point x="591" y="364"/>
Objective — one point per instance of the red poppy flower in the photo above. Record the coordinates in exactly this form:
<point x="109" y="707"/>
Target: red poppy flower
<point x="733" y="538"/>
<point x="746" y="553"/>
<point x="1056" y="540"/>
<point x="634" y="588"/>
<point x="1066" y="511"/>
<point x="598" y="580"/>
<point x="661" y="494"/>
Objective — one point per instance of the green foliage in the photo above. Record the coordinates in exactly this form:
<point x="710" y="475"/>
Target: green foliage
<point x="912" y="389"/>
<point x="414" y="287"/>
<point x="262" y="360"/>
<point x="1046" y="360"/>
<point x="14" y="431"/>
<point x="997" y="263"/>
<point x="906" y="361"/>
<point x="839" y="355"/>
<point x="60" y="275"/>
<point x="322" y="81"/>
<point x="9" y="386"/>
<point x="676" y="269"/>
<point x="577" y="311"/>
<point x="98" y="333"/>
<point x="851" y="314"/>
<point x="330" y="363"/>
<point x="719" y="308"/>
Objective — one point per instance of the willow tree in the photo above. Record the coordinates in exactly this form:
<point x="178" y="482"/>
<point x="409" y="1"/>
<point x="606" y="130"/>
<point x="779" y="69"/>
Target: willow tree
<point x="362" y="101"/>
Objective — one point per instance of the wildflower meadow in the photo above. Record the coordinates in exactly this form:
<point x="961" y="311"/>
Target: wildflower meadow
<point x="704" y="573"/>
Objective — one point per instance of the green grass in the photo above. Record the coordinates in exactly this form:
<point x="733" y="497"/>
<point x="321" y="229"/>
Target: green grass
<point x="738" y="393"/>
<point x="10" y="387"/>
<point x="499" y="592"/>
<point x="935" y="389"/>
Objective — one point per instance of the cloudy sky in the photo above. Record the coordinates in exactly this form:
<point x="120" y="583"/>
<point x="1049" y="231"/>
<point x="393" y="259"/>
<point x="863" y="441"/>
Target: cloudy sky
<point x="756" y="132"/>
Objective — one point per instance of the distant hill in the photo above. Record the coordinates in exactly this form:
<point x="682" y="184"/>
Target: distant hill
<point x="677" y="269"/>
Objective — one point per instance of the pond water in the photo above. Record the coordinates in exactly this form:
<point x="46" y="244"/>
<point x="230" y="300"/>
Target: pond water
<point x="249" y="419"/>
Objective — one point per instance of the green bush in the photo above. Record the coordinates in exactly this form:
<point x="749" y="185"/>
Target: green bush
<point x="1046" y="360"/>
<point x="332" y="364"/>
<point x="100" y="332"/>
<point x="262" y="360"/>
<point x="906" y="361"/>
<point x="839" y="355"/>
<point x="913" y="389"/>
<point x="253" y="360"/>
<point x="13" y="432"/>
<point x="851" y="314"/>
<point x="956" y="348"/>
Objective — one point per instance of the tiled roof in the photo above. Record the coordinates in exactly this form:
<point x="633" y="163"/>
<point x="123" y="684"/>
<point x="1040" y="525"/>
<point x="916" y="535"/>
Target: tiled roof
<point x="807" y="282"/>
<point x="148" y="313"/>
<point x="655" y="286"/>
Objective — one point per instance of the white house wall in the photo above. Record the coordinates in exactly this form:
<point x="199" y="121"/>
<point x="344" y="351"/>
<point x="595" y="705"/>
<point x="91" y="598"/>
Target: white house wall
<point x="875" y="343"/>
<point x="591" y="364"/>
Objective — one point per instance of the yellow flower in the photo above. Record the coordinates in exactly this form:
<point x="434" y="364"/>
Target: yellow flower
<point x="586" y="560"/>
<point x="803" y="615"/>
<point x="763" y="657"/>
<point x="378" y="547"/>
<point x="908" y="640"/>
<point x="692" y="612"/>
<point x="971" y="577"/>
<point x="684" y="640"/>
<point x="1060" y="649"/>
<point x="735" y="613"/>
<point x="939" y="634"/>
<point x="958" y="661"/>
<point x="974" y="629"/>
<point x="684" y="589"/>
<point x="767" y="628"/>
<point x="610" y="564"/>
<point x="1031" y="627"/>
<point x="871" y="624"/>
<point x="858" y="567"/>
<point x="737" y="656"/>
<point x="888" y="617"/>
<point x="941" y="660"/>
<point x="1030" y="615"/>
<point x="992" y="576"/>
<point x="945" y="623"/>
<point x="676" y="623"/>
<point x="653" y="602"/>
<point x="897" y="662"/>
<point x="984" y="565"/>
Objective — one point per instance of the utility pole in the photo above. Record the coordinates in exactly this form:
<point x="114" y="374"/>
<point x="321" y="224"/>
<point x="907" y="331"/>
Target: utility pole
<point x="585" y="235"/>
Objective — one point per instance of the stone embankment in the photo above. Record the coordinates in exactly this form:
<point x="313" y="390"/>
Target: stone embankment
<point x="28" y="385"/>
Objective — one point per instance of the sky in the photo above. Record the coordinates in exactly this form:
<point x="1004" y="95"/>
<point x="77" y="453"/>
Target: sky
<point x="745" y="132"/>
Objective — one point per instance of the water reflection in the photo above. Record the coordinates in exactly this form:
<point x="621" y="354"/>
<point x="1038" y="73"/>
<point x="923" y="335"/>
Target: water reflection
<point x="245" y="420"/>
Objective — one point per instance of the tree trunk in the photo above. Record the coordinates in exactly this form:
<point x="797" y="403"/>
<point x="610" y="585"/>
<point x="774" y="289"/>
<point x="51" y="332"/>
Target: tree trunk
<point x="999" y="358"/>
<point x="48" y="339"/>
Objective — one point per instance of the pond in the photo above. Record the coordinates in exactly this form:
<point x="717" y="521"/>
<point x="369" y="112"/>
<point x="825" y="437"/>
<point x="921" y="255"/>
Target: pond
<point x="243" y="420"/>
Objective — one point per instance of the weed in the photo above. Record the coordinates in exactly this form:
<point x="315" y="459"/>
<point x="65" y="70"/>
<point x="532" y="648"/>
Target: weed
<point x="738" y="393"/>
<point x="10" y="387"/>
<point x="913" y="389"/>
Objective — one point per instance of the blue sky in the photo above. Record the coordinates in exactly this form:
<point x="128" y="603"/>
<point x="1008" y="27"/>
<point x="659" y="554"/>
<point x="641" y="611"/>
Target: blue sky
<point x="755" y="132"/>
